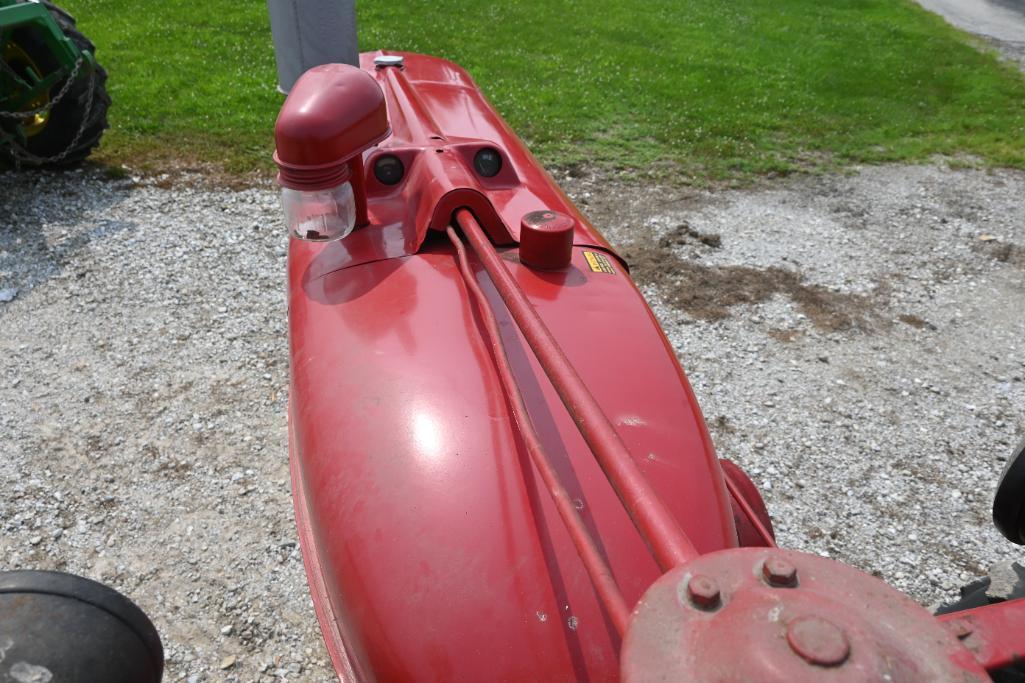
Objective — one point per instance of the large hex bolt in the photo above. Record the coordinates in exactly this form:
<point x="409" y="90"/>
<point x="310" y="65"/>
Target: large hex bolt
<point x="779" y="573"/>
<point x="703" y="592"/>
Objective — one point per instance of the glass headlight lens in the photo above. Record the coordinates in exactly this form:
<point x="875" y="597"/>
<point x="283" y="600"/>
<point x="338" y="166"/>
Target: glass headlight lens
<point x="319" y="215"/>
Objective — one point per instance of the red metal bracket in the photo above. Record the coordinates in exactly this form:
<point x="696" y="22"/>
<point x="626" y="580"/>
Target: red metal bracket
<point x="994" y="634"/>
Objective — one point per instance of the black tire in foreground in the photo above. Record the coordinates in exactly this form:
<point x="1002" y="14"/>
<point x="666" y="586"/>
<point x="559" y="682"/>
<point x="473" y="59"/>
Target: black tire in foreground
<point x="69" y="629"/>
<point x="1009" y="501"/>
<point x="76" y="123"/>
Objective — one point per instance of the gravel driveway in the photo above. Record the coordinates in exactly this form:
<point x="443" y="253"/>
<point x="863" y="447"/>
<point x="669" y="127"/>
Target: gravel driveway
<point x="856" y="342"/>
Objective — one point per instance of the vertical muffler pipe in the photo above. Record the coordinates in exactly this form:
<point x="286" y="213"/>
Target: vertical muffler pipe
<point x="308" y="33"/>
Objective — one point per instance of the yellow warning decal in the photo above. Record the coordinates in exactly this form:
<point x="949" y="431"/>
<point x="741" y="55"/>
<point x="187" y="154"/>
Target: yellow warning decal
<point x="599" y="262"/>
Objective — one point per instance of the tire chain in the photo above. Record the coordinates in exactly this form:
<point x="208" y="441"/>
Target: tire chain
<point x="21" y="154"/>
<point x="49" y="105"/>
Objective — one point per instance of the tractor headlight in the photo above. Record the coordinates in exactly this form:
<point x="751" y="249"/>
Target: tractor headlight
<point x="334" y="113"/>
<point x="319" y="215"/>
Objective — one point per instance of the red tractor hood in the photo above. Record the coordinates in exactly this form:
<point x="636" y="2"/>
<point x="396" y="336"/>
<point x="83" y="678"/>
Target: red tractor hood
<point x="433" y="550"/>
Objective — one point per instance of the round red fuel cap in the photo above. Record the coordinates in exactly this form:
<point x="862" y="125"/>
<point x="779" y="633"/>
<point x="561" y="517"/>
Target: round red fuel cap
<point x="546" y="240"/>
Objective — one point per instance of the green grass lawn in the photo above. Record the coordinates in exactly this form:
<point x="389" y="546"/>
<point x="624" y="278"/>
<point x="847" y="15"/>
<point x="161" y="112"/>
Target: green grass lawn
<point x="710" y="88"/>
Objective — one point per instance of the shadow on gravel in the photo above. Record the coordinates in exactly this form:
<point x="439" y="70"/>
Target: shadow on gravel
<point x="47" y="218"/>
<point x="708" y="292"/>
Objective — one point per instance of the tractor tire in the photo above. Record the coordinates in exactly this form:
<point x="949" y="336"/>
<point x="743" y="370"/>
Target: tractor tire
<point x="51" y="145"/>
<point x="1006" y="581"/>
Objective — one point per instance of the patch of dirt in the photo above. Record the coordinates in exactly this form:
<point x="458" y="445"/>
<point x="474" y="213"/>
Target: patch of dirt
<point x="1005" y="252"/>
<point x="709" y="292"/>
<point x="182" y="170"/>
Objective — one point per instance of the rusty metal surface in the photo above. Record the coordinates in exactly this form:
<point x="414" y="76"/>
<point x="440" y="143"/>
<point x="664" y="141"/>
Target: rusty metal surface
<point x="767" y="614"/>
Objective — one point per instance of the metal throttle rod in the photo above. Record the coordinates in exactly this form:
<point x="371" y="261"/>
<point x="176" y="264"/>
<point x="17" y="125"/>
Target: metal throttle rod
<point x="660" y="530"/>
<point x="590" y="555"/>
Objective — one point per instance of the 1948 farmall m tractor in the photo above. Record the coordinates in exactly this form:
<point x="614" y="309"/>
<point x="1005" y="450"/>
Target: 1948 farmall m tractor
<point x="500" y="471"/>
<point x="53" y="99"/>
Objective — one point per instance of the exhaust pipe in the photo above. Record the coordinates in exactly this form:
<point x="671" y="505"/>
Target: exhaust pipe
<point x="308" y="33"/>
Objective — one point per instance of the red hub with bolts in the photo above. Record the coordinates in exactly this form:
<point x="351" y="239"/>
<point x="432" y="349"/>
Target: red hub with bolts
<point x="766" y="614"/>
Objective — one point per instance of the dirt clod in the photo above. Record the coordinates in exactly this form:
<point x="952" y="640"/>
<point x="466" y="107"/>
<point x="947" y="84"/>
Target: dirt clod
<point x="684" y="234"/>
<point x="915" y="321"/>
<point x="785" y="336"/>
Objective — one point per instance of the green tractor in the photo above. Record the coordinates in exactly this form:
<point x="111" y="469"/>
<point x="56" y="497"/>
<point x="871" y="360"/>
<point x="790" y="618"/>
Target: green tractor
<point x="53" y="97"/>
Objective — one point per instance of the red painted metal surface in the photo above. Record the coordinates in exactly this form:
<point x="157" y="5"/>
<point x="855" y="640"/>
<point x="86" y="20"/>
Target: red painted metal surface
<point x="546" y="240"/>
<point x="439" y="121"/>
<point x="419" y="491"/>
<point x="467" y="497"/>
<point x="766" y="614"/>
<point x="436" y="542"/>
<point x="749" y="512"/>
<point x="587" y="548"/>
<point x="668" y="542"/>
<point x="333" y="113"/>
<point x="319" y="589"/>
<point x="994" y="634"/>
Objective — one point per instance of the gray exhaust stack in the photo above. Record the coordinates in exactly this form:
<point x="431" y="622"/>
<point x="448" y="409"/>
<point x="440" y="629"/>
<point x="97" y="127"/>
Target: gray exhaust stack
<point x="308" y="33"/>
